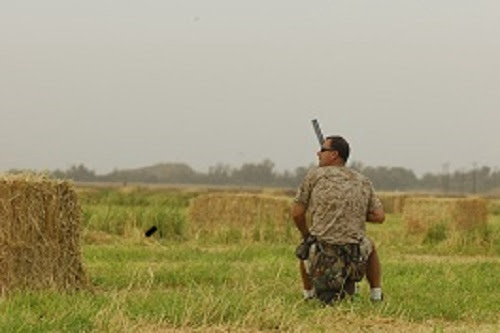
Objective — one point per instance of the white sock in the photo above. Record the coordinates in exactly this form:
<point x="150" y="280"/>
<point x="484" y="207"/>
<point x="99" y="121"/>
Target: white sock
<point x="376" y="294"/>
<point x="308" y="293"/>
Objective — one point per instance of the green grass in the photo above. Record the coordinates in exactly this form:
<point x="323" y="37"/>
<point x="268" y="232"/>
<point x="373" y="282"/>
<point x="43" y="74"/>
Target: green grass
<point x="184" y="284"/>
<point x="254" y="274"/>
<point x="393" y="237"/>
<point x="433" y="282"/>
<point x="122" y="220"/>
<point x="119" y="213"/>
<point x="46" y="311"/>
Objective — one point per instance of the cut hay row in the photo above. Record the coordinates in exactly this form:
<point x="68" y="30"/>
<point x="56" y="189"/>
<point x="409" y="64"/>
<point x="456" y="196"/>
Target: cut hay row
<point x="247" y="213"/>
<point x="458" y="214"/>
<point x="39" y="234"/>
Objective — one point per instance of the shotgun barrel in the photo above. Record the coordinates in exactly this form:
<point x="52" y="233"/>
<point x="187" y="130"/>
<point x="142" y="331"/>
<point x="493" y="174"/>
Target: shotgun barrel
<point x="318" y="132"/>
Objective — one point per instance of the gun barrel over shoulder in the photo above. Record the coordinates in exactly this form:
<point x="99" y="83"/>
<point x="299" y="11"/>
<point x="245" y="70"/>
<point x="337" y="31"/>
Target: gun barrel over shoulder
<point x="318" y="132"/>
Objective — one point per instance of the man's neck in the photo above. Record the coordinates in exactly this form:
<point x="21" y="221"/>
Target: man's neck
<point x="335" y="165"/>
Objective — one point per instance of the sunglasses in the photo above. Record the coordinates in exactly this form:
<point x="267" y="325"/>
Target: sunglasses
<point x="326" y="149"/>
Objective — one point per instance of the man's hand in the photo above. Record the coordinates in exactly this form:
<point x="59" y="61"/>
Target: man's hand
<point x="302" y="251"/>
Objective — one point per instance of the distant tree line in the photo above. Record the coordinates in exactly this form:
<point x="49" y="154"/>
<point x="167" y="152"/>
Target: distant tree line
<point x="476" y="180"/>
<point x="249" y="174"/>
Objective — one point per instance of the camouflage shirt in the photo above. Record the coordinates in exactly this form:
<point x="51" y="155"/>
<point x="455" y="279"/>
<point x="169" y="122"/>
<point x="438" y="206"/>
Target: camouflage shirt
<point x="338" y="200"/>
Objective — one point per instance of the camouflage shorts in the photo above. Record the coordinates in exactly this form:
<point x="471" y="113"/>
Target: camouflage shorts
<point x="333" y="267"/>
<point x="366" y="248"/>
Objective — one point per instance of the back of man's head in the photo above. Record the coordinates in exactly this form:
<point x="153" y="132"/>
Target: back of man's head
<point x="340" y="144"/>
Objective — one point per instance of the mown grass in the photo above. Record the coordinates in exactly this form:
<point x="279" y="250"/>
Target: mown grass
<point x="215" y="283"/>
<point x="452" y="289"/>
<point x="394" y="237"/>
<point x="124" y="213"/>
<point x="184" y="284"/>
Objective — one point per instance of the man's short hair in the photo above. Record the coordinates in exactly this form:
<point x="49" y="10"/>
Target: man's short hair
<point x="340" y="144"/>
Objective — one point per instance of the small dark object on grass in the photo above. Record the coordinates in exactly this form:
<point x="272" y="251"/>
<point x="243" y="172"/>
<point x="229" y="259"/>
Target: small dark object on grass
<point x="151" y="231"/>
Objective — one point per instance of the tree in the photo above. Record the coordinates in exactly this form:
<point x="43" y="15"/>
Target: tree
<point x="255" y="174"/>
<point x="77" y="172"/>
<point x="219" y="174"/>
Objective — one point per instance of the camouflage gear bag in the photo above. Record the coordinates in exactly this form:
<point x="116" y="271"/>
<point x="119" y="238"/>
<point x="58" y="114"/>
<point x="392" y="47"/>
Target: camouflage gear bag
<point x="334" y="268"/>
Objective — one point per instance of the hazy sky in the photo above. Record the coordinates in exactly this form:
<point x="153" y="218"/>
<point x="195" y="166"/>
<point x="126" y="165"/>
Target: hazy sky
<point x="125" y="84"/>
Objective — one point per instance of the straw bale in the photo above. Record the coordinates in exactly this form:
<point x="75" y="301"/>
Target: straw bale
<point x="457" y="214"/>
<point x="494" y="207"/>
<point x="393" y="202"/>
<point x="39" y="234"/>
<point x="243" y="211"/>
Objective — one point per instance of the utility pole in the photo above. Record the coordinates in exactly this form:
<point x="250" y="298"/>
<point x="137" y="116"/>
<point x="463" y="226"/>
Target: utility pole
<point x="462" y="181"/>
<point x="474" y="178"/>
<point x="446" y="177"/>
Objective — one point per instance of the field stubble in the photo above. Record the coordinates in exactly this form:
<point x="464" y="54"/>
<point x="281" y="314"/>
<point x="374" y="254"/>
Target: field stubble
<point x="226" y="281"/>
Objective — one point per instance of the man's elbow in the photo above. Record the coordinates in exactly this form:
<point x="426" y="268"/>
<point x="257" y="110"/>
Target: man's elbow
<point x="381" y="217"/>
<point x="377" y="216"/>
<point x="298" y="212"/>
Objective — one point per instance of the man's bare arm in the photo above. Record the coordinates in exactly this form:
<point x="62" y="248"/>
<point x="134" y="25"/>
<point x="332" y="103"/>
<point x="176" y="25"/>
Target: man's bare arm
<point x="299" y="217"/>
<point x="376" y="216"/>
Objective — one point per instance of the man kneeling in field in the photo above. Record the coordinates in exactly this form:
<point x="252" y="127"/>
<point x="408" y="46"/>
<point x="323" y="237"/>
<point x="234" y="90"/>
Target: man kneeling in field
<point x="336" y="253"/>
